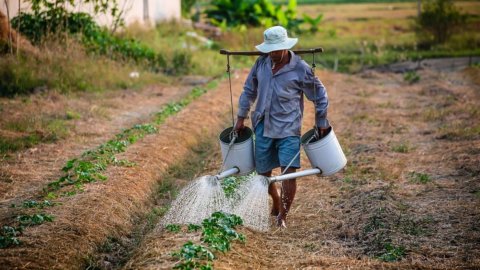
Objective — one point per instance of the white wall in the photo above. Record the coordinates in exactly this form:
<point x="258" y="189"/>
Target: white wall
<point x="133" y="10"/>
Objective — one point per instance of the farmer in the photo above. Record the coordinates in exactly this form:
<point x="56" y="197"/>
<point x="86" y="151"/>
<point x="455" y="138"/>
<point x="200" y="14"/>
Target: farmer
<point x="277" y="81"/>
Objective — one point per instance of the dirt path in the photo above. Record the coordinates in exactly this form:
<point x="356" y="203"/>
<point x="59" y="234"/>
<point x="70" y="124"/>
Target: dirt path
<point x="410" y="190"/>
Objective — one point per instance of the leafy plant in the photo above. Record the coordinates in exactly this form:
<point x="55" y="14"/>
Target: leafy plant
<point x="35" y="204"/>
<point x="313" y="22"/>
<point x="253" y="13"/>
<point x="392" y="253"/>
<point x="8" y="236"/>
<point x="193" y="227"/>
<point x="88" y="168"/>
<point x="230" y="184"/>
<point x="217" y="232"/>
<point x="192" y="255"/>
<point x="35" y="219"/>
<point x="173" y="228"/>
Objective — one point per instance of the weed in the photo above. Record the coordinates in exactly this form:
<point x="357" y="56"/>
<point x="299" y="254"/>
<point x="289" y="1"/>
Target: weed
<point x="375" y="222"/>
<point x="401" y="147"/>
<point x="411" y="77"/>
<point x="419" y="178"/>
<point x="392" y="253"/>
<point x="173" y="228"/>
<point x="72" y="115"/>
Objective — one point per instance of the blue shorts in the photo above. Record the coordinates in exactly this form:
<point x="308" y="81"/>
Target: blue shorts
<point x="273" y="153"/>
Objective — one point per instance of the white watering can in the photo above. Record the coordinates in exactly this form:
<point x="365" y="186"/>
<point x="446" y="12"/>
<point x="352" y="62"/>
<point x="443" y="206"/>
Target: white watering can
<point x="325" y="155"/>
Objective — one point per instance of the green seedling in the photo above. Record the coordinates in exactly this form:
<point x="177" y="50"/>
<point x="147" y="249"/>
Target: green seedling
<point x="193" y="227"/>
<point x="35" y="219"/>
<point x="173" y="228"/>
<point x="217" y="233"/>
<point x="8" y="236"/>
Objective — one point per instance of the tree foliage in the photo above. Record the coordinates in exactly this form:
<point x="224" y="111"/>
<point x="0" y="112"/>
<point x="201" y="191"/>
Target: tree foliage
<point x="253" y="13"/>
<point x="438" y="20"/>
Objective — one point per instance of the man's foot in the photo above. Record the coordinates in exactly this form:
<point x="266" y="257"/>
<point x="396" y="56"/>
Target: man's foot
<point x="274" y="212"/>
<point x="281" y="223"/>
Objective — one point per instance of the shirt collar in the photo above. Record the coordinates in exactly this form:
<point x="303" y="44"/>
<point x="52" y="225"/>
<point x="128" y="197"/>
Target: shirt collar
<point x="290" y="66"/>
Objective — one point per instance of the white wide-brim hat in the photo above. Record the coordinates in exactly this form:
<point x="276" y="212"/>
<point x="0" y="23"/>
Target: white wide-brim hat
<point x="274" y="39"/>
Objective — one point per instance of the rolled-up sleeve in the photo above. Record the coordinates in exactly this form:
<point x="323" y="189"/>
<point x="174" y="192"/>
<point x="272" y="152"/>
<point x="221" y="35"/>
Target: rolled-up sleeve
<point x="319" y="97"/>
<point x="249" y="94"/>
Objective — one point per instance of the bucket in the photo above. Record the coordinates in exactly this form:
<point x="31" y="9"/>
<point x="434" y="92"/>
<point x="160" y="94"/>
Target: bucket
<point x="324" y="154"/>
<point x="240" y="154"/>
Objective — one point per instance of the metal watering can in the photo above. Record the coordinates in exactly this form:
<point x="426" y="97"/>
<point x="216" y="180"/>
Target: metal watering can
<point x="325" y="155"/>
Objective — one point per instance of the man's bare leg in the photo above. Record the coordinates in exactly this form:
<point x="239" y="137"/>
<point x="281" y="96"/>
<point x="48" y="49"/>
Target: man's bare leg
<point x="289" y="188"/>
<point x="272" y="190"/>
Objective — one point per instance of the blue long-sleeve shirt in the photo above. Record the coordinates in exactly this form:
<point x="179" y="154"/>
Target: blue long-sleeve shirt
<point x="279" y="96"/>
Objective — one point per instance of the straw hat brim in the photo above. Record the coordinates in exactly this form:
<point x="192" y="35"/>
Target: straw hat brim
<point x="286" y="45"/>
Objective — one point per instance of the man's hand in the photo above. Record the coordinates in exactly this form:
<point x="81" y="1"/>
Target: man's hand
<point x="322" y="132"/>
<point x="239" y="125"/>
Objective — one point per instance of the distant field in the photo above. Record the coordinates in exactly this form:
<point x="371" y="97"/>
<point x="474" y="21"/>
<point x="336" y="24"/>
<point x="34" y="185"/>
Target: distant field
<point x="387" y="10"/>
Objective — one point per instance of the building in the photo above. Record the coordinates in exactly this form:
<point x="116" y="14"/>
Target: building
<point x="146" y="12"/>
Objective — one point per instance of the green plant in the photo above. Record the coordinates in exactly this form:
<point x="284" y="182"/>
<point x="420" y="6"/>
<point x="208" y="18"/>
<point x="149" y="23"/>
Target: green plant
<point x="88" y="168"/>
<point x="439" y="18"/>
<point x="217" y="232"/>
<point x="186" y="6"/>
<point x="401" y="147"/>
<point x="16" y="80"/>
<point x="421" y="178"/>
<point x="193" y="227"/>
<point x="253" y="13"/>
<point x="411" y="77"/>
<point x="35" y="204"/>
<point x="392" y="253"/>
<point x="173" y="228"/>
<point x="313" y="22"/>
<point x="35" y="219"/>
<point x="230" y="184"/>
<point x="8" y="236"/>
<point x="192" y="255"/>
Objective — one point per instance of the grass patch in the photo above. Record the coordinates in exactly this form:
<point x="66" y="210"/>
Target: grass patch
<point x="30" y="131"/>
<point x="8" y="145"/>
<point x="419" y="178"/>
<point x="411" y="77"/>
<point x="67" y="68"/>
<point x="402" y="147"/>
<point x="392" y="253"/>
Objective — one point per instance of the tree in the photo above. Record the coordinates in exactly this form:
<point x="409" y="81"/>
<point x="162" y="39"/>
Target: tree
<point x="438" y="20"/>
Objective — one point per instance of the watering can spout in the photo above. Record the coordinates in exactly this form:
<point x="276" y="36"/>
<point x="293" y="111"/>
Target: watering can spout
<point x="294" y="175"/>
<point x="227" y="173"/>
